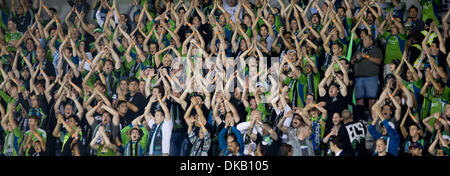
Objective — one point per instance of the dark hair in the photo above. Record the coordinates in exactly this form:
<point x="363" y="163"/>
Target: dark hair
<point x="12" y="84"/>
<point x="264" y="25"/>
<point x="75" y="118"/>
<point x="35" y="118"/>
<point x="337" y="142"/>
<point x="414" y="7"/>
<point x="101" y="84"/>
<point x="120" y="102"/>
<point x="285" y="149"/>
<point x="232" y="135"/>
<point x="316" y="14"/>
<point x="53" y="10"/>
<point x="154" y="43"/>
<point x="339" y="45"/>
<point x="139" y="131"/>
<point x="161" y="89"/>
<point x="108" y="60"/>
<point x="181" y="8"/>
<point x="435" y="42"/>
<point x="133" y="79"/>
<point x="417" y="36"/>
<point x="40" y="82"/>
<point x="12" y="20"/>
<point x="358" y="32"/>
<point x="192" y="19"/>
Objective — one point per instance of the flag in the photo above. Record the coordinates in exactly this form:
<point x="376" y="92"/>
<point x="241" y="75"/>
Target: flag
<point x="350" y="48"/>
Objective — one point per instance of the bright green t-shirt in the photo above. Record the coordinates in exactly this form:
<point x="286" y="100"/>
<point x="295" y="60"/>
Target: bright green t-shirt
<point x="107" y="153"/>
<point x="394" y="47"/>
<point x="12" y="143"/>
<point x="40" y="132"/>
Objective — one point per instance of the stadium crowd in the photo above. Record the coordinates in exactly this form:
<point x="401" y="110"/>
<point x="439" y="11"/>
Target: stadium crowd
<point x="225" y="78"/>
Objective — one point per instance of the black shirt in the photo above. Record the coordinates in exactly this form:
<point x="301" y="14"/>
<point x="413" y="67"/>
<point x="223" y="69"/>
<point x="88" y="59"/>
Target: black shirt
<point x="139" y="101"/>
<point x="177" y="115"/>
<point x="353" y="135"/>
<point x="334" y="104"/>
<point x="239" y="105"/>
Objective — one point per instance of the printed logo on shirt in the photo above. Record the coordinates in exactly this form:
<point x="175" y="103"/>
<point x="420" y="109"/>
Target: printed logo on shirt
<point x="356" y="131"/>
<point x="393" y="40"/>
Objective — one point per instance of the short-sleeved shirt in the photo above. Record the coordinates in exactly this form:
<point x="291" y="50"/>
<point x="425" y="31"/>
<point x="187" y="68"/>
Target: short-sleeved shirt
<point x="366" y="68"/>
<point x="12" y="142"/>
<point x="166" y="135"/>
<point x="139" y="101"/>
<point x="40" y="132"/>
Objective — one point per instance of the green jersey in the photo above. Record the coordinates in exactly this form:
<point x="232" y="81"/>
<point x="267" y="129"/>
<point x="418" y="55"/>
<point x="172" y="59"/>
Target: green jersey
<point x="261" y="107"/>
<point x="130" y="147"/>
<point x="430" y="10"/>
<point x="12" y="142"/>
<point x="66" y="137"/>
<point x="40" y="132"/>
<point x="109" y="152"/>
<point x="296" y="90"/>
<point x="394" y="47"/>
<point x="10" y="36"/>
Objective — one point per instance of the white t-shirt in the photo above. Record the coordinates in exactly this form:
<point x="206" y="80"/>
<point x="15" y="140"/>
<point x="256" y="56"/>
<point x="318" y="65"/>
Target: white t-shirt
<point x="231" y="10"/>
<point x="287" y="123"/>
<point x="86" y="65"/>
<point x="166" y="134"/>
<point x="268" y="39"/>
<point x="243" y="127"/>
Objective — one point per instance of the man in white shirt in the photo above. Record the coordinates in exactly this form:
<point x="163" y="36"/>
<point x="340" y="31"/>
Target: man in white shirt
<point x="160" y="129"/>
<point x="231" y="7"/>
